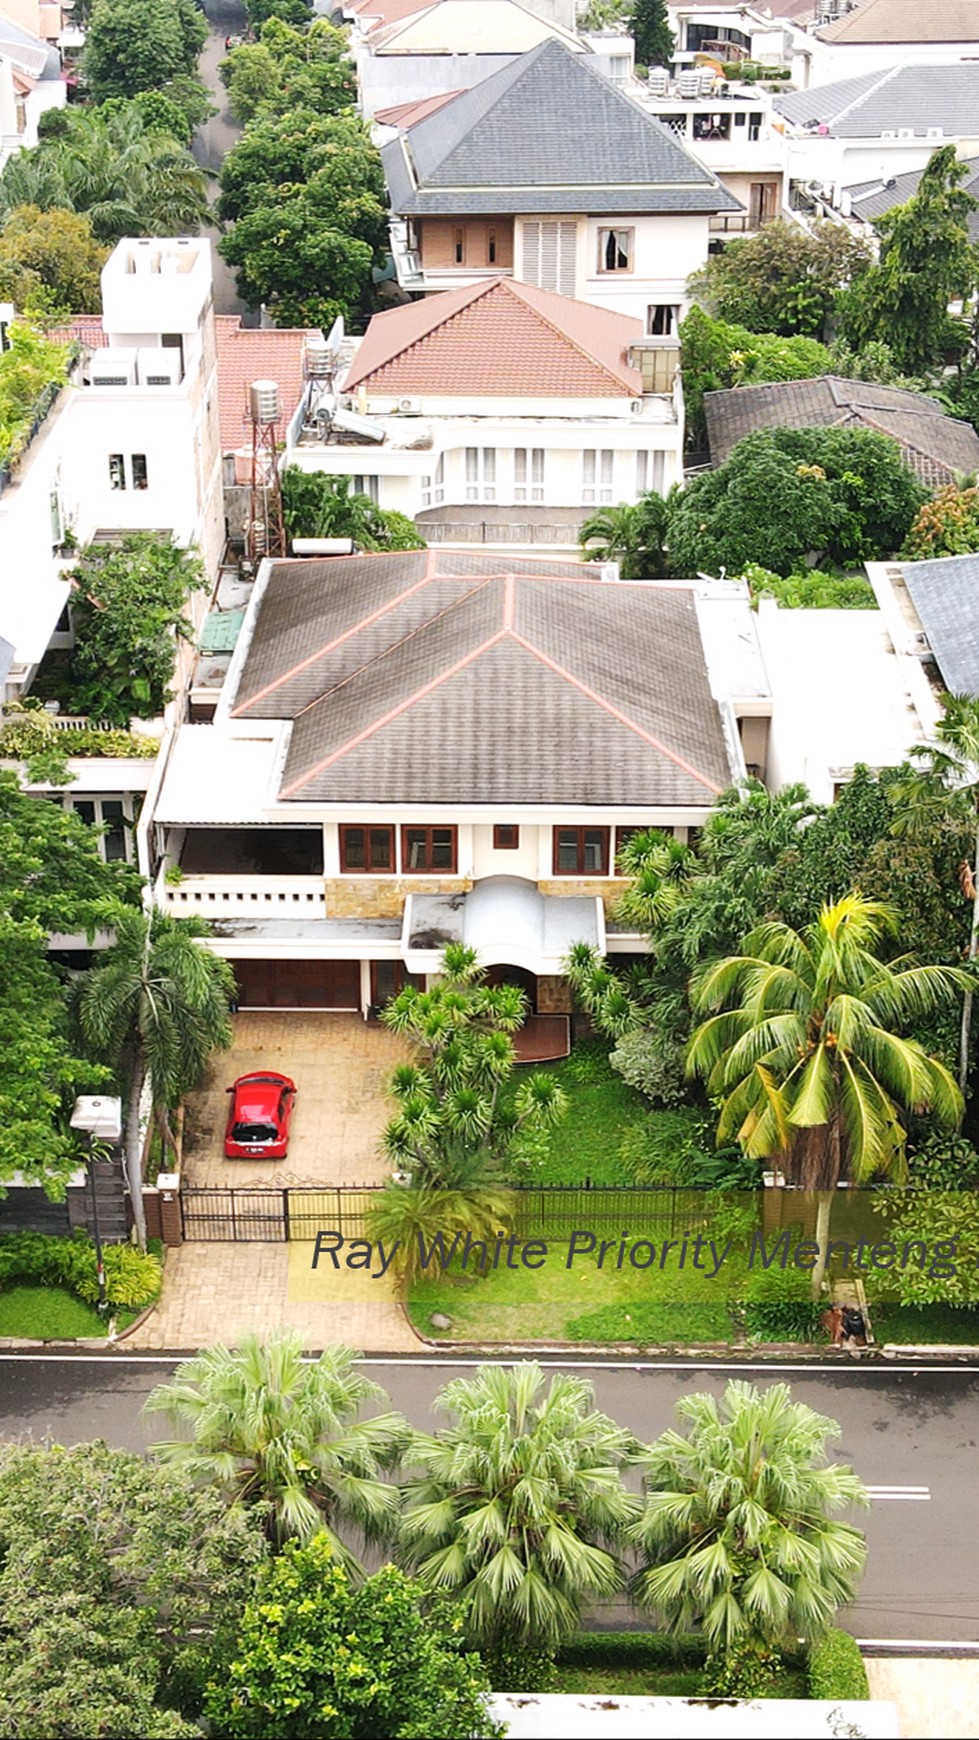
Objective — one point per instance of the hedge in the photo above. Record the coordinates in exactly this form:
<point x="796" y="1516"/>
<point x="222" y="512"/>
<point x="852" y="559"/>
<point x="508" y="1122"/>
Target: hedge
<point x="132" y="1278"/>
<point x="836" y="1668"/>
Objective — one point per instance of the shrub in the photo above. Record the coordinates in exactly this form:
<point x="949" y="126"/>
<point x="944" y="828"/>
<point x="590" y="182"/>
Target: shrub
<point x="778" y="1306"/>
<point x="743" y="1671"/>
<point x="651" y="1060"/>
<point x="132" y="1278"/>
<point x="836" y="1668"/>
<point x="811" y="590"/>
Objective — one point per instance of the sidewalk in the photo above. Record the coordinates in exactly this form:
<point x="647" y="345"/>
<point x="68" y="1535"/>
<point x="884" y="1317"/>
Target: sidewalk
<point x="934" y="1696"/>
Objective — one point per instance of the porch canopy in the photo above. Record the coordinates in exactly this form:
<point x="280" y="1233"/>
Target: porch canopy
<point x="506" y="920"/>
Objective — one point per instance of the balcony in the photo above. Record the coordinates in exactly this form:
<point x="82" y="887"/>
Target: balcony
<point x="229" y="896"/>
<point x="414" y="274"/>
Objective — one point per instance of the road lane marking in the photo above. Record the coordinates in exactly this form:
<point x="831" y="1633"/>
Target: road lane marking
<point x="919" y="1494"/>
<point x="745" y="1368"/>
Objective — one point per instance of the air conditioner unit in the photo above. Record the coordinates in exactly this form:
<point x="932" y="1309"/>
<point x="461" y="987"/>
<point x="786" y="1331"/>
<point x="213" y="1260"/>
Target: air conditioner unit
<point x="636" y="407"/>
<point x="905" y="132"/>
<point x="935" y="133"/>
<point x="113" y="368"/>
<point x="158" y="368"/>
<point x="888" y="133"/>
<point x="409" y="407"/>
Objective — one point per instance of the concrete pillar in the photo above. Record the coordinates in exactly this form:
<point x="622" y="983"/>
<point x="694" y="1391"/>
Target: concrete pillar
<point x="171" y="1228"/>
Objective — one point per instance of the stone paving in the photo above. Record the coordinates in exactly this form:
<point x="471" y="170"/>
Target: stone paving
<point x="339" y="1064"/>
<point x="935" y="1697"/>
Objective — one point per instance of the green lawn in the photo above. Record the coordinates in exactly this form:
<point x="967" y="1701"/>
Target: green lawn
<point x="919" y="1325"/>
<point x="650" y="1664"/>
<point x="586" y="1143"/>
<point x="47" y="1314"/>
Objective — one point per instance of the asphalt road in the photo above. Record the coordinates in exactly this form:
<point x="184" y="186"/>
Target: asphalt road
<point x="902" y="1429"/>
<point x="214" y="140"/>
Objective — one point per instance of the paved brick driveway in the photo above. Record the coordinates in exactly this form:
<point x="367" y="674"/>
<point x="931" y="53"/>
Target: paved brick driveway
<point x="339" y="1064"/>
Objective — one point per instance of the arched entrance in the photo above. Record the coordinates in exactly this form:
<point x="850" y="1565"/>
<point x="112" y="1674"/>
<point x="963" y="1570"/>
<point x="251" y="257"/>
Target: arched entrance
<point x="506" y="975"/>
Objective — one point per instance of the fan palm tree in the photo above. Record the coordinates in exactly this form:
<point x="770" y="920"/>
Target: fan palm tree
<point x="519" y="1505"/>
<point x="153" y="1007"/>
<point x="409" y="1218"/>
<point x="268" y="1427"/>
<point x="942" y="795"/>
<point x="807" y="1061"/>
<point x="738" y="1531"/>
<point x="632" y="535"/>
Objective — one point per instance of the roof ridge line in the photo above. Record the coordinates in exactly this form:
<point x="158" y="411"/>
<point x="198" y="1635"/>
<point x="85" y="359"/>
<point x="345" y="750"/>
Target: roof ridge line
<point x="506" y="88"/>
<point x="871" y="91"/>
<point x="560" y="333"/>
<point x="615" y="712"/>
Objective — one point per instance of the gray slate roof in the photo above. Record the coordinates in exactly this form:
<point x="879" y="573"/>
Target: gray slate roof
<point x="443" y="677"/>
<point x="938" y="448"/>
<point x="916" y="97"/>
<point x="547" y="133"/>
<point x="872" y="199"/>
<point x="945" y="594"/>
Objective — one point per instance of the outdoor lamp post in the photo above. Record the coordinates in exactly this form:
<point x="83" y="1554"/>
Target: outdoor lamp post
<point x="100" y="1118"/>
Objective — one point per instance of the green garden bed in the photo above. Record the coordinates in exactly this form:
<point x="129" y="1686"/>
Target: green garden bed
<point x="600" y="1104"/>
<point x="925" y="1325"/>
<point x="650" y="1664"/>
<point x="47" y="1314"/>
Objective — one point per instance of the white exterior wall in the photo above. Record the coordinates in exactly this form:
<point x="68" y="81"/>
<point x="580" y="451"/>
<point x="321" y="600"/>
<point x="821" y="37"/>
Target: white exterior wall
<point x="385" y="80"/>
<point x="832" y="61"/>
<point x="667" y="250"/>
<point x="523" y="861"/>
<point x="33" y="591"/>
<point x="847" y="162"/>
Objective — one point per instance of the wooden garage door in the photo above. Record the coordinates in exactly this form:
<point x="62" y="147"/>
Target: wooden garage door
<point x="298" y="984"/>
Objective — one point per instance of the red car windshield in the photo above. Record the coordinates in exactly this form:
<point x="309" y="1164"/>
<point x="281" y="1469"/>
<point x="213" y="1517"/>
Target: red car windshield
<point x="254" y="1133"/>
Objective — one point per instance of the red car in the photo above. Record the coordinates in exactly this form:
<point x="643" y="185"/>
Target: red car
<point x="258" y="1117"/>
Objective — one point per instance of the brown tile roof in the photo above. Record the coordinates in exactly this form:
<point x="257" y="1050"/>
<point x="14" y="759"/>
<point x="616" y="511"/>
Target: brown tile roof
<point x="255" y="354"/>
<point x="442" y="677"/>
<point x="499" y="339"/>
<point x="887" y="21"/>
<point x="85" y="329"/>
<point x="937" y="447"/>
<point x="404" y="115"/>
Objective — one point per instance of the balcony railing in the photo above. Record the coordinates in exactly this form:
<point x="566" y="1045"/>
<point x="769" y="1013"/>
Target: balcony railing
<point x="230" y="896"/>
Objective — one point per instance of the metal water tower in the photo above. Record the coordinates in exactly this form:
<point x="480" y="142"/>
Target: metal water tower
<point x="266" y="532"/>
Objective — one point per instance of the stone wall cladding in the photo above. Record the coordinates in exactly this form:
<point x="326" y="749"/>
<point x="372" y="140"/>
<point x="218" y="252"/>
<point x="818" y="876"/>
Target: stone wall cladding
<point x="554" y="996"/>
<point x="384" y="896"/>
<point x="607" y="888"/>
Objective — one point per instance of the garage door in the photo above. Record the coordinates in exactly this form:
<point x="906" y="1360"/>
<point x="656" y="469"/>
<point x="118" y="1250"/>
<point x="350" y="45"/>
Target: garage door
<point x="298" y="984"/>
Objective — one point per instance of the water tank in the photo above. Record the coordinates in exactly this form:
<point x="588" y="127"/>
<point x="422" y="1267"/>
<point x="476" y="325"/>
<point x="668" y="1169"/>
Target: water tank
<point x="319" y="359"/>
<point x="263" y="401"/>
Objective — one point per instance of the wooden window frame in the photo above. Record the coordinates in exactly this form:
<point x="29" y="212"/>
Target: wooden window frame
<point x="367" y="869"/>
<point x="579" y="869"/>
<point x="408" y="869"/>
<point x="630" y="250"/>
<point x="503" y="845"/>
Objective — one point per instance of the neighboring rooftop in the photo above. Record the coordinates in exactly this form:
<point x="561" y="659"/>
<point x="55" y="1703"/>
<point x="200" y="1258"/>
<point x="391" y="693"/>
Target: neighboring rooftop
<point x="938" y="448"/>
<point x="890" y="21"/>
<point x="441" y="677"/>
<point x="405" y="115"/>
<point x="468" y="27"/>
<point x="921" y="99"/>
<point x="498" y="339"/>
<point x="507" y="146"/>
<point x="247" y="354"/>
<point x="945" y="594"/>
<point x="872" y="199"/>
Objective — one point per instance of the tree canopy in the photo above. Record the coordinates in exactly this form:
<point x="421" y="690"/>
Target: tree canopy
<point x="784" y="280"/>
<point x="650" y="27"/>
<point x="290" y="68"/>
<point x="714" y="354"/>
<point x="128" y="607"/>
<point x="139" y="45"/>
<point x="318" y="505"/>
<point x="50" y="262"/>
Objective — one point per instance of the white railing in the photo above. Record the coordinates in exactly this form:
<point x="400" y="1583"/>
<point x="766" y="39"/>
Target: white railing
<point x="229" y="896"/>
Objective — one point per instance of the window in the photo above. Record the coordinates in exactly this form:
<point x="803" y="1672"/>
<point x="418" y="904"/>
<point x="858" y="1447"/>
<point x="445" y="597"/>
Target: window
<point x="491" y="247"/>
<point x="506" y="837"/>
<point x="550" y="253"/>
<point x="596" y="479"/>
<point x="367" y="850"/>
<point x="459" y="247"/>
<point x="480" y="473"/>
<point x="57" y="528"/>
<point x="117" y="471"/>
<point x="428" y="850"/>
<point x="661" y="320"/>
<point x="581" y="851"/>
<point x="756" y="122"/>
<point x="433" y="485"/>
<point x="366" y="486"/>
<point x="650" y="470"/>
<point x="112" y="817"/>
<point x="615" y="250"/>
<point x="140" y="479"/>
<point x="528" y="474"/>
<point x="712" y="126"/>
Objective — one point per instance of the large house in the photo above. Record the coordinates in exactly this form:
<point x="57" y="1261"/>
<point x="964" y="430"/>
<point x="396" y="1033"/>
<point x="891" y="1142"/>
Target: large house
<point x="419" y="747"/>
<point x="549" y="174"/>
<point x="499" y="413"/>
<point x="878" y="124"/>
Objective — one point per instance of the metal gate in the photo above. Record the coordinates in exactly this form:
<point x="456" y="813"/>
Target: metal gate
<point x="270" y="1215"/>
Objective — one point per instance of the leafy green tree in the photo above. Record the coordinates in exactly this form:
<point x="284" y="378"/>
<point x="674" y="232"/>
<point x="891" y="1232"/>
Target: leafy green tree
<point x="296" y="12"/>
<point x="802" y="1049"/>
<point x="128" y="609"/>
<point x="926" y="260"/>
<point x="715" y="354"/>
<point x="632" y="535"/>
<point x="138" y="45"/>
<point x="811" y="589"/>
<point x="30" y="366"/>
<point x="121" y="1588"/>
<point x="844" y="495"/>
<point x="651" y="33"/>
<point x="455" y="1126"/>
<point x="153" y="1007"/>
<point x="947" y="525"/>
<point x="518" y="1507"/>
<point x="129" y="179"/>
<point x="50" y="261"/>
<point x="267" y="1429"/>
<point x="158" y="113"/>
<point x="738" y="1533"/>
<point x="313" y="1650"/>
<point x="783" y="280"/>
<point x="291" y="68"/>
<point x="317" y="505"/>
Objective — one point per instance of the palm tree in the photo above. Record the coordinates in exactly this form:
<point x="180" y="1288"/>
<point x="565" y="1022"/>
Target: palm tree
<point x="519" y="1505"/>
<point x="806" y="1060"/>
<point x="153" y="1007"/>
<point x="942" y="795"/>
<point x="128" y="179"/>
<point x="632" y="535"/>
<point x="407" y="1219"/>
<point x="268" y="1427"/>
<point x="737" y="1533"/>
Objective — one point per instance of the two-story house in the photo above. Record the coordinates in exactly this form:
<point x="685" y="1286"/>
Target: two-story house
<point x="498" y="413"/>
<point x="733" y="130"/>
<point x="419" y="747"/>
<point x="549" y="174"/>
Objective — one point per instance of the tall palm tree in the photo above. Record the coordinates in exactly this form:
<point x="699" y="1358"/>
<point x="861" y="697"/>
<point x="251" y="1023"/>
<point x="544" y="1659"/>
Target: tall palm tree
<point x="942" y="795"/>
<point x="129" y="180"/>
<point x="738" y="1533"/>
<point x="519" y="1505"/>
<point x="806" y="1059"/>
<point x="632" y="535"/>
<point x="153" y="1007"/>
<point x="267" y="1427"/>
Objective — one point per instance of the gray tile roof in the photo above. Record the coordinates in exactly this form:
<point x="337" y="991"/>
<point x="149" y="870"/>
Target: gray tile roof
<point x="546" y="133"/>
<point x="946" y="596"/>
<point x="915" y="97"/>
<point x="938" y="448"/>
<point x="443" y="677"/>
<point x="871" y="199"/>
